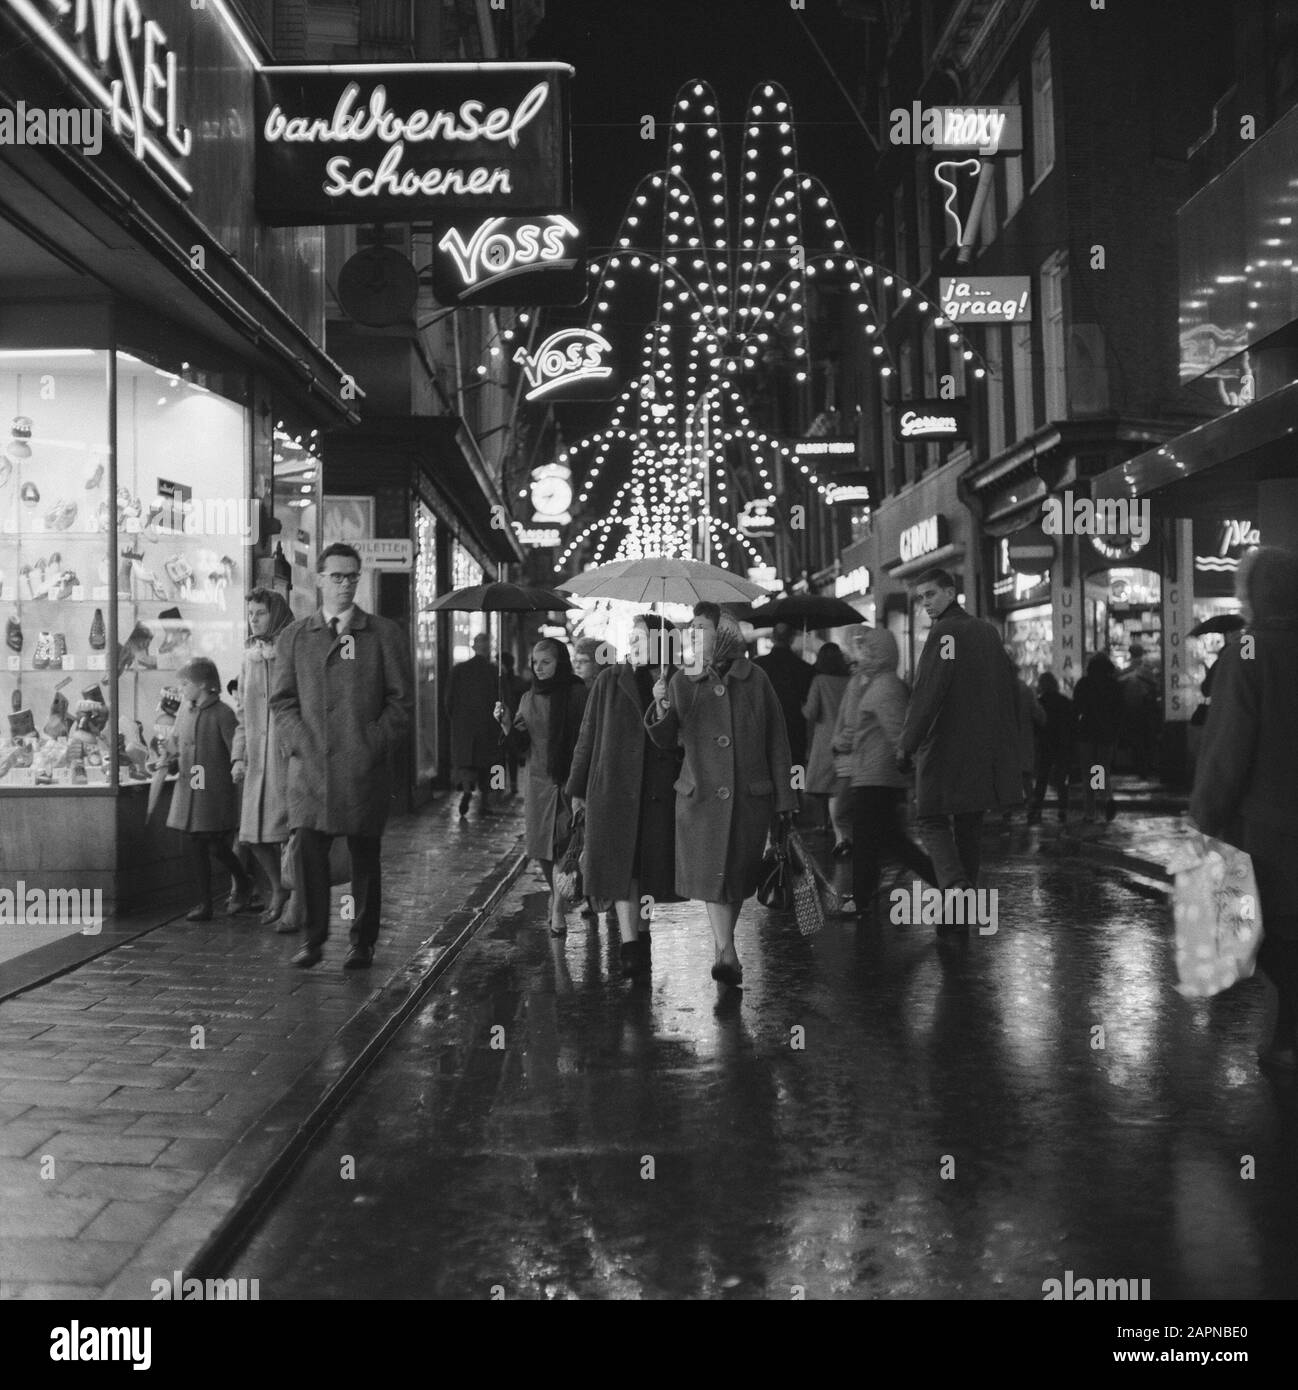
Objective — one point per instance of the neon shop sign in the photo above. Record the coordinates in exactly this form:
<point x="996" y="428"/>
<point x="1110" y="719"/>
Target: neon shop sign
<point x="125" y="62"/>
<point x="567" y="357"/>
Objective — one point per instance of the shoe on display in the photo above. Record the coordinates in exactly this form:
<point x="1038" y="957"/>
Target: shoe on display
<point x="44" y="650"/>
<point x="58" y="724"/>
<point x="98" y="633"/>
<point x="61" y="515"/>
<point x="97" y="477"/>
<point x="24" y="756"/>
<point x="175" y="633"/>
<point x="25" y="589"/>
<point x="63" y="586"/>
<point x="14" y="635"/>
<point x="20" y="432"/>
<point x="30" y="494"/>
<point x="60" y="650"/>
<point x="79" y="778"/>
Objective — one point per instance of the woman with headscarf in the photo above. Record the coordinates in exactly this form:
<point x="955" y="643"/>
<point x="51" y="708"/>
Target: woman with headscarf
<point x="1246" y="783"/>
<point x="545" y="729"/>
<point x="869" y="727"/>
<point x="627" y="785"/>
<point x="256" y="760"/>
<point x="821" y="713"/>
<point x="724" y="712"/>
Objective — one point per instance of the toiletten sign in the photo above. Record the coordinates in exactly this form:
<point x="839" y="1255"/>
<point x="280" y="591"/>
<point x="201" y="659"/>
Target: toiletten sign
<point x="386" y="141"/>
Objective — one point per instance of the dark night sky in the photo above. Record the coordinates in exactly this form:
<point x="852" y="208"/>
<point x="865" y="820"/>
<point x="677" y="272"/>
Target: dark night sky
<point x="631" y="57"/>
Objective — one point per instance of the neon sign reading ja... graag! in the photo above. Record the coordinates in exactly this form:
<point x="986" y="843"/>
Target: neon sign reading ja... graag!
<point x="124" y="61"/>
<point x="568" y="356"/>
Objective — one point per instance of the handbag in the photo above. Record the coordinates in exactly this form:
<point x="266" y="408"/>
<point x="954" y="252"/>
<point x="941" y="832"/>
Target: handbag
<point x="1218" y="919"/>
<point x="775" y="883"/>
<point x="567" y="872"/>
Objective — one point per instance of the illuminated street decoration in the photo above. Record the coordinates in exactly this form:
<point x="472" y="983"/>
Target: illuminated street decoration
<point x="727" y="265"/>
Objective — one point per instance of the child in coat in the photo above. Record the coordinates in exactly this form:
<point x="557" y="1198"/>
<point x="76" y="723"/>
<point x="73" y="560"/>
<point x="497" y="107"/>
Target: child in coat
<point x="205" y="807"/>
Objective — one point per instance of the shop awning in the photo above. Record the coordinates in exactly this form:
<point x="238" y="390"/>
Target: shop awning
<point x="1250" y="438"/>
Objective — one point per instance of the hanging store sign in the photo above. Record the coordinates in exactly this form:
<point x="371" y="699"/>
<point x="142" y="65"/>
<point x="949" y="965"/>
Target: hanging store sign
<point x="757" y="519"/>
<point x="511" y="260"/>
<point x="925" y="421"/>
<point x="855" y="581"/>
<point x="541" y="537"/>
<point x="824" y="455"/>
<point x="923" y="538"/>
<point x="124" y="61"/>
<point x="1030" y="551"/>
<point x="567" y="365"/>
<point x="1235" y="535"/>
<point x="987" y="129"/>
<point x="852" y="489"/>
<point x="986" y="298"/>
<point x="370" y="142"/>
<point x="552" y="493"/>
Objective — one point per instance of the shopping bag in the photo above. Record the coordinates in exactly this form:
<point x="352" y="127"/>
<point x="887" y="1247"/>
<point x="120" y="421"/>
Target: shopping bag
<point x="567" y="872"/>
<point x="1218" y="920"/>
<point x="290" y="862"/>
<point x="807" y="906"/>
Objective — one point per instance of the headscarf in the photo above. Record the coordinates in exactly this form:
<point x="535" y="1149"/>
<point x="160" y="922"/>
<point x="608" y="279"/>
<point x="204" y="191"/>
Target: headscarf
<point x="562" y="729"/>
<point x="1268" y="579"/>
<point x="729" y="647"/>
<point x="262" y="648"/>
<point x="830" y="660"/>
<point x="880" y="652"/>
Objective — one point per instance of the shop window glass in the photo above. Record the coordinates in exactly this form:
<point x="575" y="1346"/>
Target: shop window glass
<point x="297" y="476"/>
<point x="465" y="573"/>
<point x="184" y="524"/>
<point x="1054" y="366"/>
<point x="56" y="575"/>
<point x="1043" y="111"/>
<point x="426" y="691"/>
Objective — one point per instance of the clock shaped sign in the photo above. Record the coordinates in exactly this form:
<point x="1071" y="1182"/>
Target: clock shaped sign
<point x="551" y="494"/>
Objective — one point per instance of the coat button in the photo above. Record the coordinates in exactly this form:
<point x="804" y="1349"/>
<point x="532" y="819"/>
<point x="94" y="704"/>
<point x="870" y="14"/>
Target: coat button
<point x="723" y="740"/>
<point x="724" y="793"/>
<point x="718" y="690"/>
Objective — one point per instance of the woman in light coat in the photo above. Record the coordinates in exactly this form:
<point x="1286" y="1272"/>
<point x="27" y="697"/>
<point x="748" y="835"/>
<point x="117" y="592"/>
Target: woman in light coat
<point x="724" y="713"/>
<point x="627" y="784"/>
<point x="869" y="726"/>
<point x="545" y="729"/>
<point x="824" y="781"/>
<point x="258" y="763"/>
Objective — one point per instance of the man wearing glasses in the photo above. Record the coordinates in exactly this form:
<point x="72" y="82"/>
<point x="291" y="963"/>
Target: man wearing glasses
<point x="341" y="701"/>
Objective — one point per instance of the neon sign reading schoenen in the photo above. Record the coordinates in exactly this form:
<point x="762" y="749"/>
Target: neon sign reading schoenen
<point x="568" y="356"/>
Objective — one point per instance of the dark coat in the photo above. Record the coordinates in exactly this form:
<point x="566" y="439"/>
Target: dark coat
<point x="963" y="722"/>
<point x="735" y="778"/>
<point x="1056" y="739"/>
<point x="472" y="690"/>
<point x="628" y="784"/>
<point x="343" y="707"/>
<point x="1246" y="780"/>
<point x="547" y="808"/>
<point x="821" y="714"/>
<point x="204" y="738"/>
<point x="263" y="818"/>
<point x="791" y="679"/>
<point x="1098" y="701"/>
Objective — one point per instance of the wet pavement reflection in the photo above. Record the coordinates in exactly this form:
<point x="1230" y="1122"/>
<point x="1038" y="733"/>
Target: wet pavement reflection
<point x="876" y="1114"/>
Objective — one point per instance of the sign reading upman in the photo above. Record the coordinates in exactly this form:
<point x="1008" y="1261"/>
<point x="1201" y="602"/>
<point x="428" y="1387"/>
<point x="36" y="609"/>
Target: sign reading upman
<point x="372" y="141"/>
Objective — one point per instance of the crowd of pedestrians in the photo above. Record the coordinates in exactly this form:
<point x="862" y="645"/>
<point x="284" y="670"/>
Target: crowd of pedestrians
<point x="685" y="773"/>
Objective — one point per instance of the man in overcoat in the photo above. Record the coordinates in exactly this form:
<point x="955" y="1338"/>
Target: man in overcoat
<point x="961" y="732"/>
<point x="341" y="698"/>
<point x="471" y="692"/>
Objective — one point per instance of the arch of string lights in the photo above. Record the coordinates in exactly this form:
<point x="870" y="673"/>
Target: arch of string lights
<point x="730" y="271"/>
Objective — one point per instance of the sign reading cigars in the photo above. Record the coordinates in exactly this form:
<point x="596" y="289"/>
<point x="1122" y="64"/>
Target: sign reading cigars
<point x="375" y="142"/>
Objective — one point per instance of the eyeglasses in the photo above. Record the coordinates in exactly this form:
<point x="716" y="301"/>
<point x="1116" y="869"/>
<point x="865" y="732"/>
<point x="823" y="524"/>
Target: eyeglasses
<point x="352" y="577"/>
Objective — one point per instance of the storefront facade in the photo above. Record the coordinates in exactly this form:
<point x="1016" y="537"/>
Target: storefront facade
<point x="163" y="391"/>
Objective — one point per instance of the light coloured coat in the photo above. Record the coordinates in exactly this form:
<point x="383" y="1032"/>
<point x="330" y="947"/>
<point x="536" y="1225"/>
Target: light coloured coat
<point x="263" y="818"/>
<point x="343" y="707"/>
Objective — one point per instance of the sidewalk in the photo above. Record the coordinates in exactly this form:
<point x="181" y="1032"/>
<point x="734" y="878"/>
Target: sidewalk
<point x="134" y="1089"/>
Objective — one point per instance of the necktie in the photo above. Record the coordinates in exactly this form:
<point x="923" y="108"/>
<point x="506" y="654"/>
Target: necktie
<point x="333" y="627"/>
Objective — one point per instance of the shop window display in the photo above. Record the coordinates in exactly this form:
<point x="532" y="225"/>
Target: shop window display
<point x="111" y="580"/>
<point x="465" y="574"/>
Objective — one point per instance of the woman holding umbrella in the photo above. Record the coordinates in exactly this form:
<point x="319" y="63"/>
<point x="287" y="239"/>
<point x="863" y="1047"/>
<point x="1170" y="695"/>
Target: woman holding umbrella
<point x="546" y="728"/>
<point x="725" y="715"/>
<point x="626" y="782"/>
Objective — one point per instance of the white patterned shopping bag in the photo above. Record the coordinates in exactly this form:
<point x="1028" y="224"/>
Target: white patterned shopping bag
<point x="1218" y="920"/>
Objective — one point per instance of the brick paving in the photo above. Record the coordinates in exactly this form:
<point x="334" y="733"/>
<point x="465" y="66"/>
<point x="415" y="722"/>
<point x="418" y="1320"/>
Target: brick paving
<point x="126" y="1082"/>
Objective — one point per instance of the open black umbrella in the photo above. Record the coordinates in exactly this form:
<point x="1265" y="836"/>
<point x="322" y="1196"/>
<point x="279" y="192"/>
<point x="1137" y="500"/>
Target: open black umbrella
<point x="806" y="611"/>
<point x="1222" y="622"/>
<point x="500" y="597"/>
